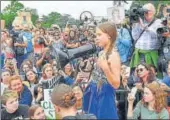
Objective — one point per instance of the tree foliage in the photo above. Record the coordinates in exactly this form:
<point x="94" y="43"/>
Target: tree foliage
<point x="57" y="18"/>
<point x="10" y="11"/>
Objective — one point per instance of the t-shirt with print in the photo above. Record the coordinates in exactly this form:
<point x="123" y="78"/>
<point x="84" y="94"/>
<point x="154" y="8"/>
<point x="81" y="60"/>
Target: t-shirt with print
<point x="20" y="113"/>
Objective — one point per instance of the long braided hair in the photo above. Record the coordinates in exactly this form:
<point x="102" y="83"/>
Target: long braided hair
<point x="110" y="29"/>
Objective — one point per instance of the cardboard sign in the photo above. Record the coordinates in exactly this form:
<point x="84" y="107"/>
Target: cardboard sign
<point x="47" y="104"/>
<point x="48" y="109"/>
<point x="2" y="24"/>
<point x="49" y="84"/>
<point x="116" y="14"/>
<point x="47" y="94"/>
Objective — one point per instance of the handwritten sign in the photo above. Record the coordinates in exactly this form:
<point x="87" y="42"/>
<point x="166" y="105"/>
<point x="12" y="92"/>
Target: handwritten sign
<point x="49" y="84"/>
<point x="2" y="24"/>
<point x="48" y="109"/>
<point x="116" y="14"/>
<point x="48" y="105"/>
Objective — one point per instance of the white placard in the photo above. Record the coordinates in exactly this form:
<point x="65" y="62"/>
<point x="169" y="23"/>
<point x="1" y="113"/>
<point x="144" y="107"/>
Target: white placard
<point x="47" y="94"/>
<point x="116" y="14"/>
<point x="48" y="109"/>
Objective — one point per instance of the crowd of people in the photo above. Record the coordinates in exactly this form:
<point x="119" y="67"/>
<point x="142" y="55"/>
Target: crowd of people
<point x="120" y="80"/>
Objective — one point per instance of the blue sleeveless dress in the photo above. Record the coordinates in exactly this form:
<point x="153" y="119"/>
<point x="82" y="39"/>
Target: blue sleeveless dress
<point x="100" y="100"/>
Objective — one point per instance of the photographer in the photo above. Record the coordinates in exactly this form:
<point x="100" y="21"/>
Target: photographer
<point x="166" y="44"/>
<point x="43" y="58"/>
<point x="20" y="45"/>
<point x="41" y="53"/>
<point x="42" y="37"/>
<point x="145" y="36"/>
<point x="38" y="47"/>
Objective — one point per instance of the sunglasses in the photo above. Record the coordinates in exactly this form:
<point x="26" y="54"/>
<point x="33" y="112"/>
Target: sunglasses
<point x="140" y="69"/>
<point x="149" y="11"/>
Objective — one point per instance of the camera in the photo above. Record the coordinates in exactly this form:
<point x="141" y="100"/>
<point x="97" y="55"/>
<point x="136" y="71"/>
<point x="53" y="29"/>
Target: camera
<point x="14" y="34"/>
<point x="40" y="41"/>
<point x="136" y="12"/>
<point x="163" y="29"/>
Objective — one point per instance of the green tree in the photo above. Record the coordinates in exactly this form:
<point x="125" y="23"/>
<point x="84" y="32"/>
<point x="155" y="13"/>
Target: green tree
<point x="51" y="18"/>
<point x="9" y="12"/>
<point x="57" y="18"/>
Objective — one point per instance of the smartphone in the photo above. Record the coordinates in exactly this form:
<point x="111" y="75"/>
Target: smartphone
<point x="133" y="91"/>
<point x="127" y="71"/>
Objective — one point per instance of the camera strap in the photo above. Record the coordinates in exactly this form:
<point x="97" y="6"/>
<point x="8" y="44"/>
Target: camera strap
<point x="144" y="31"/>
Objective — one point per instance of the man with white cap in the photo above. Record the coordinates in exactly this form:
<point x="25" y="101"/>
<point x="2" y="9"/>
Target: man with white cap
<point x="145" y="34"/>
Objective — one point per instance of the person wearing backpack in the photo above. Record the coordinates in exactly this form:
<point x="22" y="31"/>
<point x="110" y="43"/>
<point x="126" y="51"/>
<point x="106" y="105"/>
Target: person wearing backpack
<point x="64" y="101"/>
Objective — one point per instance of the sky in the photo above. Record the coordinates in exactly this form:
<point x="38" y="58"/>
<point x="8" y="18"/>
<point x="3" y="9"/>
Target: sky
<point x="74" y="8"/>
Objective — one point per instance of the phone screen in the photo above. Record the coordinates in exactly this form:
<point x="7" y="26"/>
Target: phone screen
<point x="127" y="71"/>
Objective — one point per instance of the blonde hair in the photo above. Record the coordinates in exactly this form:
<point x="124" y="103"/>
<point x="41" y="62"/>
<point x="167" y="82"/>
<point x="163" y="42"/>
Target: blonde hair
<point x="14" y="77"/>
<point x="8" y="94"/>
<point x="110" y="29"/>
<point x="150" y="6"/>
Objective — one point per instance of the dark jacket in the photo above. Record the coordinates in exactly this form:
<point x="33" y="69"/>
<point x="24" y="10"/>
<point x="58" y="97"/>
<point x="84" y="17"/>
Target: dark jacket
<point x="25" y="96"/>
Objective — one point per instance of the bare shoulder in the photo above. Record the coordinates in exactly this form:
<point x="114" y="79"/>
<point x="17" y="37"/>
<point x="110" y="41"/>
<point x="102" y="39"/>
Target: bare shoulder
<point x="114" y="57"/>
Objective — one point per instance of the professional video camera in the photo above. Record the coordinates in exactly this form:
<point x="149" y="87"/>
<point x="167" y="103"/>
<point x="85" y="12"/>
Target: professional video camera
<point x="136" y="12"/>
<point x="14" y="34"/>
<point x="64" y="56"/>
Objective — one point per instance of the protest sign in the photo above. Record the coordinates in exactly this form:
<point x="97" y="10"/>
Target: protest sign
<point x="47" y="104"/>
<point x="116" y="14"/>
<point x="2" y="24"/>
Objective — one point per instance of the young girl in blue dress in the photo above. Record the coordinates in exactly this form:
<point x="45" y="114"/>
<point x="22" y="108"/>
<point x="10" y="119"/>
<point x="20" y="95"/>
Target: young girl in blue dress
<point x="99" y="96"/>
